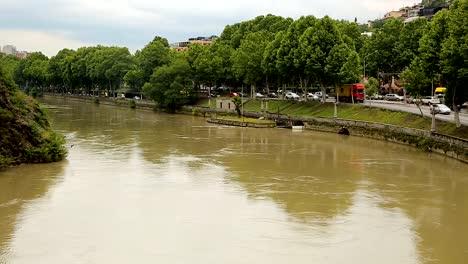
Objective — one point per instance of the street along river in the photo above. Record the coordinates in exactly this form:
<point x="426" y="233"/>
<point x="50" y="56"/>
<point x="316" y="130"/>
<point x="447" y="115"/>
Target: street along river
<point x="143" y="187"/>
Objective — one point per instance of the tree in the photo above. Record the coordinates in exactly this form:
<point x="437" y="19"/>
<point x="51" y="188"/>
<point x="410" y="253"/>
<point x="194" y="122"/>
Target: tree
<point x="385" y="40"/>
<point x="154" y="54"/>
<point x="407" y="47"/>
<point x="60" y="69"/>
<point x="270" y="60"/>
<point x="353" y="32"/>
<point x="238" y="103"/>
<point x="9" y="64"/>
<point x="321" y="51"/>
<point x="416" y="81"/>
<point x="434" y="3"/>
<point x="430" y="46"/>
<point x="372" y="86"/>
<point x="247" y="59"/>
<point x="35" y="69"/>
<point x="171" y="85"/>
<point x="290" y="61"/>
<point x="455" y="56"/>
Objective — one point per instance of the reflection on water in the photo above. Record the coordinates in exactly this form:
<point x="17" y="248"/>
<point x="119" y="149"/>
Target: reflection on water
<point x="20" y="188"/>
<point x="142" y="187"/>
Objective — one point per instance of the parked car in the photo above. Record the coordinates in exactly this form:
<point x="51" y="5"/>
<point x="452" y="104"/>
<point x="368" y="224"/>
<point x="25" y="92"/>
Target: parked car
<point x="428" y="100"/>
<point x="311" y="96"/>
<point x="233" y="94"/>
<point x="259" y="95"/>
<point x="375" y="97"/>
<point x="393" y="97"/>
<point x="272" y="95"/>
<point x="319" y="95"/>
<point x="465" y="105"/>
<point x="136" y="97"/>
<point x="291" y="96"/>
<point x="440" y="109"/>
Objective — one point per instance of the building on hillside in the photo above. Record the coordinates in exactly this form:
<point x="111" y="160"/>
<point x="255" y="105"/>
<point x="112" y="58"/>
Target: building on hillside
<point x="9" y="49"/>
<point x="412" y="11"/>
<point x="430" y="12"/>
<point x="395" y="14"/>
<point x="183" y="45"/>
<point x="22" y="54"/>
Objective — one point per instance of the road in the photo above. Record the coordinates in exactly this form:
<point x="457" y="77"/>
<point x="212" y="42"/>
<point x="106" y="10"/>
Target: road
<point x="411" y="108"/>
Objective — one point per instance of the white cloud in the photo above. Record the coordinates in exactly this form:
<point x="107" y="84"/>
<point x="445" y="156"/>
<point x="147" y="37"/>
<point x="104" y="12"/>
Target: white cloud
<point x="50" y="25"/>
<point x="47" y="43"/>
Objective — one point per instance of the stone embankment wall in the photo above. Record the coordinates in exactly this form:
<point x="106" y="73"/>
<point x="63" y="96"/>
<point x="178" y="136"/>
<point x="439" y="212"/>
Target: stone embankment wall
<point x="239" y="123"/>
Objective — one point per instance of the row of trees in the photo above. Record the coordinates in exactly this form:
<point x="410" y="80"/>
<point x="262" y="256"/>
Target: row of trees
<point x="442" y="57"/>
<point x="266" y="52"/>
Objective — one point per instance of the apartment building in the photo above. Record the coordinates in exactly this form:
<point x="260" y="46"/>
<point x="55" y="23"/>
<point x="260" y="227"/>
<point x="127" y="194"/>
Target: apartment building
<point x="183" y="45"/>
<point x="9" y="49"/>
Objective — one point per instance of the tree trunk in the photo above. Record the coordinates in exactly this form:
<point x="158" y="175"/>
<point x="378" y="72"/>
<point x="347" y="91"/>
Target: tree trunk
<point x="456" y="115"/>
<point x="420" y="110"/>
<point x="252" y="91"/>
<point x="324" y="98"/>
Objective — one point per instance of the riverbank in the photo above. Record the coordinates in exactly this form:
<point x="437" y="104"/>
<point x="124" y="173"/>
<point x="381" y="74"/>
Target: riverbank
<point x="398" y="127"/>
<point x="25" y="132"/>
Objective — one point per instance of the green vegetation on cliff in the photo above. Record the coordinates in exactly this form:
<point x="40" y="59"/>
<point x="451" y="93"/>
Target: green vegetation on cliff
<point x="25" y="132"/>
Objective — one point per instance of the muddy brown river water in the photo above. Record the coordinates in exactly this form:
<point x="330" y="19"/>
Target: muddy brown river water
<point x="144" y="187"/>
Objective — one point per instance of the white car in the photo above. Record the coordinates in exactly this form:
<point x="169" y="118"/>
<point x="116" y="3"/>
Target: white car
<point x="393" y="97"/>
<point x="319" y="95"/>
<point x="311" y="96"/>
<point x="259" y="95"/>
<point x="428" y="100"/>
<point x="291" y="96"/>
<point x="440" y="109"/>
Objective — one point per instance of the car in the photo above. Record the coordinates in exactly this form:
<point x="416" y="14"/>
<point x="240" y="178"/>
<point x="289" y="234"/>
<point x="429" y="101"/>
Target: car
<point x="259" y="95"/>
<point x="319" y="95"/>
<point x="374" y="97"/>
<point x="291" y="96"/>
<point x="465" y="105"/>
<point x="428" y="100"/>
<point x="440" y="109"/>
<point x="136" y="97"/>
<point x="272" y="95"/>
<point x="393" y="97"/>
<point x="233" y="94"/>
<point x="311" y="96"/>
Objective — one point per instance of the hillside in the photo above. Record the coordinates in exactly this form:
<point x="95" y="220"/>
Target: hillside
<point x="25" y="132"/>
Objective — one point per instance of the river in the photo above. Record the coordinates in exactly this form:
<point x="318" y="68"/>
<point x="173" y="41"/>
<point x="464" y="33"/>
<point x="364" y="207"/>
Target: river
<point x="145" y="187"/>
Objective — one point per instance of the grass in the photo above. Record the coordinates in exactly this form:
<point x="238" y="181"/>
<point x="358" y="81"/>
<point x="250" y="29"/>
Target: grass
<point x="354" y="112"/>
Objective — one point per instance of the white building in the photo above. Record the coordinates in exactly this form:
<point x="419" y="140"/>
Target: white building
<point x="9" y="49"/>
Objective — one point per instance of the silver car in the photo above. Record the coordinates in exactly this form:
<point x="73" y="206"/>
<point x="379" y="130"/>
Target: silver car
<point x="440" y="109"/>
<point x="393" y="97"/>
<point x="291" y="96"/>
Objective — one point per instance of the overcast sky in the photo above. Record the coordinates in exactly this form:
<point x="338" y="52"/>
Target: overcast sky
<point x="51" y="25"/>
